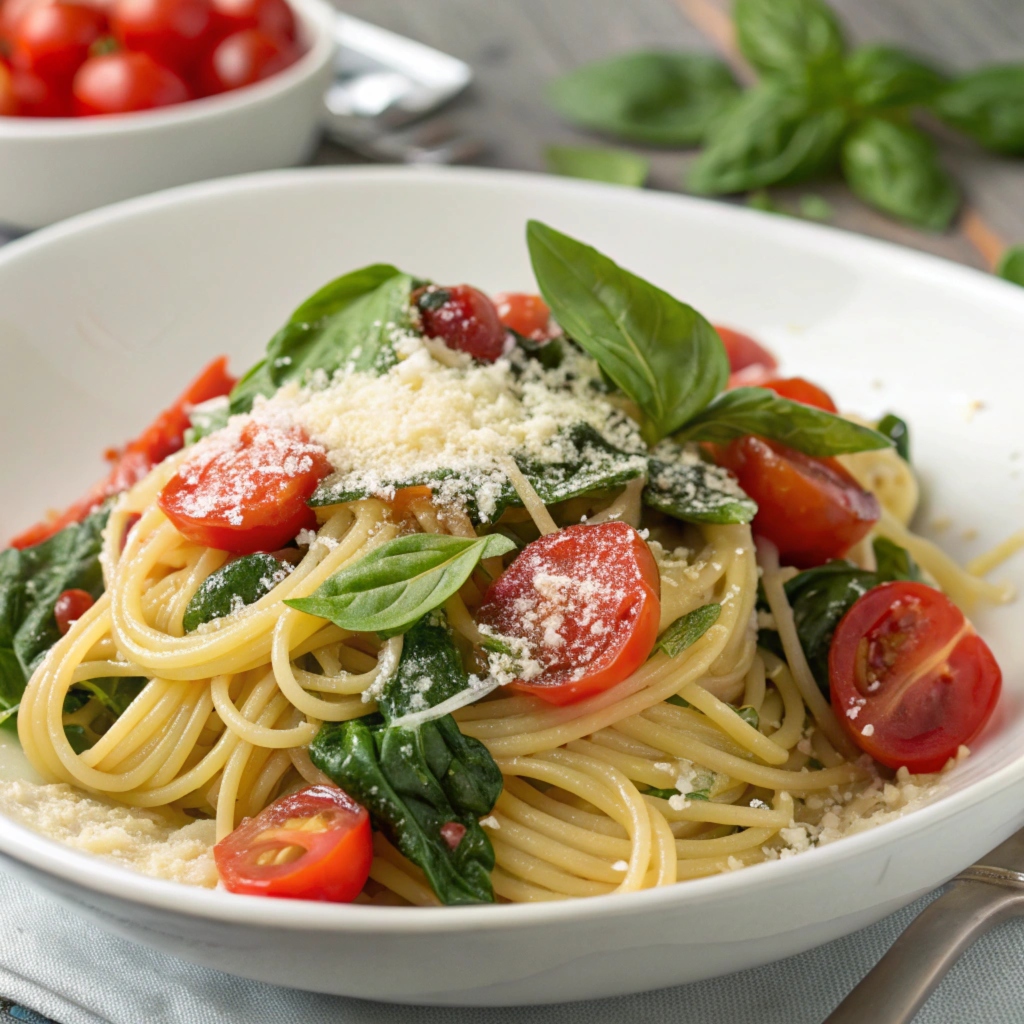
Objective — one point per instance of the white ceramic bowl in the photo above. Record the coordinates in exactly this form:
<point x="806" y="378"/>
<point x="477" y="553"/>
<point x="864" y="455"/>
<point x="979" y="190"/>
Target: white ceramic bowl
<point x="103" y="318"/>
<point x="51" y="168"/>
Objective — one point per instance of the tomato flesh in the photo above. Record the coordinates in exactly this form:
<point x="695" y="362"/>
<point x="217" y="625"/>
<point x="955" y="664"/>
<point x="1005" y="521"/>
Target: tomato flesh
<point x="743" y="351"/>
<point x="54" y="39"/>
<point x="247" y="492"/>
<point x="799" y="389"/>
<point x="70" y="606"/>
<point x="312" y="845"/>
<point x="587" y="602"/>
<point x="244" y="58"/>
<point x="119" y="83"/>
<point x="810" y="509"/>
<point x="910" y="679"/>
<point x="526" y="314"/>
<point x="463" y="318"/>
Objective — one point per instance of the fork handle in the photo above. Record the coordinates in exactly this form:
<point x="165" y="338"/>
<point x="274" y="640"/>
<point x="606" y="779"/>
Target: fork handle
<point x="898" y="985"/>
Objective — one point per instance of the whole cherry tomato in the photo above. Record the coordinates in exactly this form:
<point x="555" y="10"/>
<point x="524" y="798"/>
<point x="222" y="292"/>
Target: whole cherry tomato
<point x="175" y="33"/>
<point x="743" y="351"/>
<point x="271" y="16"/>
<point x="799" y="389"/>
<point x="70" y="606"/>
<point x="52" y="40"/>
<point x="244" y="58"/>
<point x="525" y="314"/>
<point x="36" y="96"/>
<point x="116" y="83"/>
<point x="8" y="101"/>
<point x="463" y="318"/>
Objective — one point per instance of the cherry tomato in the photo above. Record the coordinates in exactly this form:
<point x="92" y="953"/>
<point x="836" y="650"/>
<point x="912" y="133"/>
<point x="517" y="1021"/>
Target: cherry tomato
<point x="244" y="58"/>
<point x="271" y="16"/>
<point x="8" y="101"/>
<point x="164" y="436"/>
<point x="312" y="845"/>
<point x="11" y="12"/>
<point x="175" y="33"/>
<point x="53" y="39"/>
<point x="811" y="509"/>
<point x="586" y="601"/>
<point x="525" y="314"/>
<point x="463" y="318"/>
<point x="910" y="679"/>
<point x="36" y="96"/>
<point x="744" y="352"/>
<point x="798" y="389"/>
<point x="248" y="492"/>
<point x="70" y="606"/>
<point x="117" y="83"/>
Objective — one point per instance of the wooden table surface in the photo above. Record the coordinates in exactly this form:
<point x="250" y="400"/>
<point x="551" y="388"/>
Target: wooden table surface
<point x="516" y="46"/>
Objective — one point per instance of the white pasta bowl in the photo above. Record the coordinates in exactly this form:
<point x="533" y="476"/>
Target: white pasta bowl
<point x="57" y="167"/>
<point x="105" y="317"/>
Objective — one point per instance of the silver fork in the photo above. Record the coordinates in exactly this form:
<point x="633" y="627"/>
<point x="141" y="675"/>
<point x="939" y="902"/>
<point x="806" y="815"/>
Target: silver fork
<point x="979" y="898"/>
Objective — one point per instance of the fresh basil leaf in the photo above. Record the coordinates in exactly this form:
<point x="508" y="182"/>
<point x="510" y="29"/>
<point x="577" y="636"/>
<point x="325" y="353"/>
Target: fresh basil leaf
<point x="232" y="587"/>
<point x="894" y="563"/>
<point x="749" y="715"/>
<point x="659" y="351"/>
<point x="773" y="135"/>
<point x="661" y="794"/>
<point x="678" y="701"/>
<point x="31" y="580"/>
<point x="9" y="718"/>
<point x="254" y="382"/>
<point x="415" y="781"/>
<point x="988" y="105"/>
<point x="881" y="78"/>
<point x="664" y="99"/>
<point x="550" y="353"/>
<point x="115" y="693"/>
<point x="76" y="737"/>
<point x="1011" y="265"/>
<point x="401" y="581"/>
<point x="206" y="419"/>
<point x="616" y="166"/>
<point x="688" y="629"/>
<point x="696" y="491"/>
<point x="815" y="207"/>
<point x="898" y="432"/>
<point x="745" y="411"/>
<point x="761" y="199"/>
<point x="894" y="168"/>
<point x="784" y="37"/>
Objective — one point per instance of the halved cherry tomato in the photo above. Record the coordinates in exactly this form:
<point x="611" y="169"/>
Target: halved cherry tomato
<point x="910" y="679"/>
<point x="175" y="33"/>
<point x="463" y="318"/>
<point x="743" y="351"/>
<point x="36" y="96"/>
<point x="70" y="606"/>
<point x="799" y="389"/>
<point x="244" y="58"/>
<point x="246" y="493"/>
<point x="53" y="40"/>
<point x="118" y="83"/>
<point x="528" y="315"/>
<point x="312" y="845"/>
<point x="8" y="101"/>
<point x="271" y="16"/>
<point x="587" y="602"/>
<point x="164" y="436"/>
<point x="811" y="509"/>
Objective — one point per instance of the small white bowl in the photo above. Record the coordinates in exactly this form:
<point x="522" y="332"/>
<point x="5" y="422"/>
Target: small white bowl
<point x="55" y="167"/>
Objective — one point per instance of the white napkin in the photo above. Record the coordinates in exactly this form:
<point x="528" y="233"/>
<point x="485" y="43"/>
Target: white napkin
<point x="65" y="968"/>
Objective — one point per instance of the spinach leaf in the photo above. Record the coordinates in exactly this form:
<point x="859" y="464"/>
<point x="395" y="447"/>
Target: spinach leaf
<point x="696" y="492"/>
<point x="1011" y="265"/>
<point x="894" y="168"/>
<point x="415" y="781"/>
<point x="774" y="135"/>
<point x="881" y="78"/>
<point x="659" y="351"/>
<point x="31" y="580"/>
<point x="349" y="322"/>
<point x="988" y="105"/>
<point x="688" y="629"/>
<point x="664" y="99"/>
<point x="616" y="166"/>
<point x="744" y="411"/>
<point x="235" y="585"/>
<point x="898" y="433"/>
<point x="783" y="37"/>
<point x="398" y="583"/>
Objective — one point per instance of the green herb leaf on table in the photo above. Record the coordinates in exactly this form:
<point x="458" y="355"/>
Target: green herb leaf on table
<point x="815" y="207"/>
<point x="784" y="37"/>
<point x="237" y="584"/>
<point x="987" y="105"/>
<point x="663" y="99"/>
<point x="895" y="168"/>
<point x="616" y="166"/>
<point x="759" y="411"/>
<point x="688" y="629"/>
<point x="1011" y="265"/>
<point x="398" y="583"/>
<point x="695" y="491"/>
<point x="662" y="353"/>
<point x="883" y="78"/>
<point x="898" y="432"/>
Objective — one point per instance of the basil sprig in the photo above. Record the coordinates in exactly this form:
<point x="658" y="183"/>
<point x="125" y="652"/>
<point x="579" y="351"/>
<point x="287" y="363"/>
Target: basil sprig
<point x="616" y="166"/>
<point x="781" y="37"/>
<point x="988" y="105"/>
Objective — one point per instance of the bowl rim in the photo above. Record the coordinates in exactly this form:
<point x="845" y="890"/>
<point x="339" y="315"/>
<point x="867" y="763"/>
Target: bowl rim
<point x="102" y="877"/>
<point x="316" y="18"/>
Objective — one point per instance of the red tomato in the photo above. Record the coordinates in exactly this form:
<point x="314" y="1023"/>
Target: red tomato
<point x="743" y="351"/>
<point x="244" y="58"/>
<point x="811" y="509"/>
<point x="798" y="389"/>
<point x="175" y="33"/>
<point x="312" y="845"/>
<point x="910" y="679"/>
<point x="117" y="83"/>
<point x="70" y="606"/>
<point x="53" y="40"/>
<point x="246" y="493"/>
<point x="164" y="436"/>
<point x="271" y="16"/>
<point x="8" y="101"/>
<point x="36" y="96"/>
<point x="586" y="601"/>
<point x="525" y="314"/>
<point x="463" y="318"/>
